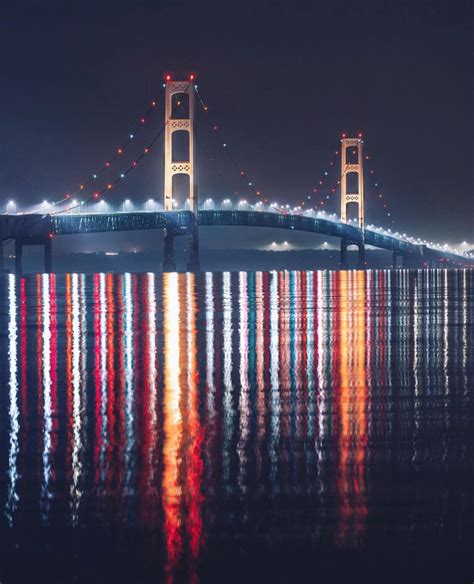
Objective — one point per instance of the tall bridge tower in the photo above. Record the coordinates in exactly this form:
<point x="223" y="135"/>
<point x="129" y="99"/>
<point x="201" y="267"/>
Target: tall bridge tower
<point x="184" y="92"/>
<point x="358" y="168"/>
<point x="350" y="197"/>
<point x="180" y="109"/>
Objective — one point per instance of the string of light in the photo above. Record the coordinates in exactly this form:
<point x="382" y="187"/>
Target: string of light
<point x="119" y="152"/>
<point x="319" y="187"/>
<point x="110" y="185"/>
<point x="376" y="184"/>
<point x="243" y="175"/>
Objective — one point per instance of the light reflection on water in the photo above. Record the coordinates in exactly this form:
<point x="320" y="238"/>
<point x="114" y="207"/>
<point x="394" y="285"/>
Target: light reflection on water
<point x="214" y="407"/>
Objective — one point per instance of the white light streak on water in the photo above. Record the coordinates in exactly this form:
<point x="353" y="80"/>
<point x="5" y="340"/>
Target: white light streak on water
<point x="13" y="411"/>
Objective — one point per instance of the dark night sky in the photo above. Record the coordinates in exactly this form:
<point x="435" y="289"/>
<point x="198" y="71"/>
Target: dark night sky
<point x="284" y="79"/>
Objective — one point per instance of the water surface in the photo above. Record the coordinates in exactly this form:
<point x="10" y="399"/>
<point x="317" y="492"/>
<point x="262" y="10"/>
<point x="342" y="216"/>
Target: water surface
<point x="252" y="426"/>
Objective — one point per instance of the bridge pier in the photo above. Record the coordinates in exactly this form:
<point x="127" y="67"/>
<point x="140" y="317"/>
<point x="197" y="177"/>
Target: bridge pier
<point x="395" y="262"/>
<point x="193" y="263"/>
<point x="169" y="265"/>
<point x="47" y="244"/>
<point x="18" y="257"/>
<point x="343" y="255"/>
<point x="48" y="256"/>
<point x="361" y="261"/>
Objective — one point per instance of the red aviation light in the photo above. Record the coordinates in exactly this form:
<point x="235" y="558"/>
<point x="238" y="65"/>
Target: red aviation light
<point x="167" y="77"/>
<point x="192" y="77"/>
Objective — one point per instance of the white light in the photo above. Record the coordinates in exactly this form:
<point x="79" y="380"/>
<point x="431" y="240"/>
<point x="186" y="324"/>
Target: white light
<point x="127" y="201"/>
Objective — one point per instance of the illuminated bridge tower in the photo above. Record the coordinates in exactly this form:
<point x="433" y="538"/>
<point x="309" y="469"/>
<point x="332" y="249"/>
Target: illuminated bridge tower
<point x="180" y="111"/>
<point x="348" y="198"/>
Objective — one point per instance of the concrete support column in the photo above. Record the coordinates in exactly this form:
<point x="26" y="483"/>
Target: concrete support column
<point x="343" y="255"/>
<point x="48" y="256"/>
<point x="169" y="265"/>
<point x="18" y="257"/>
<point x="394" y="259"/>
<point x="361" y="256"/>
<point x="193" y="263"/>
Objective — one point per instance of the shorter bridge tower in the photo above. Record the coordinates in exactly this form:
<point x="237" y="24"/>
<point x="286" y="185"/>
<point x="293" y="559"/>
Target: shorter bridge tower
<point x="357" y="198"/>
<point x="175" y="122"/>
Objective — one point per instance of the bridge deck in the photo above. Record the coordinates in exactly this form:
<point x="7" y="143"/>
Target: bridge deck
<point x="184" y="221"/>
<point x="29" y="227"/>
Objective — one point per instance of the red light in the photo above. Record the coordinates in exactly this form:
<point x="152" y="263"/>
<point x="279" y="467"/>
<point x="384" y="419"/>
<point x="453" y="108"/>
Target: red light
<point x="191" y="78"/>
<point x="146" y="151"/>
<point x="134" y="163"/>
<point x="96" y="195"/>
<point x="153" y="104"/>
<point x="142" y="120"/>
<point x="107" y="164"/>
<point x="82" y="187"/>
<point x="168" y="77"/>
<point x="109" y="186"/>
<point x="344" y="135"/>
<point x="51" y="235"/>
<point x="360" y="134"/>
<point x="119" y="151"/>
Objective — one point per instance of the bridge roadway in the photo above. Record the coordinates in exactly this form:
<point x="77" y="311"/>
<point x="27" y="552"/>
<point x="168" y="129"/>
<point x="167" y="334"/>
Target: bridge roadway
<point x="33" y="229"/>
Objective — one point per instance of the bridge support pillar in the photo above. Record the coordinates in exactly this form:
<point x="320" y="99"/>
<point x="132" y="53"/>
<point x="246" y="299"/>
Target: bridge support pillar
<point x="343" y="255"/>
<point x="18" y="257"/>
<point x="193" y="263"/>
<point x="48" y="256"/>
<point x="169" y="265"/>
<point x="361" y="264"/>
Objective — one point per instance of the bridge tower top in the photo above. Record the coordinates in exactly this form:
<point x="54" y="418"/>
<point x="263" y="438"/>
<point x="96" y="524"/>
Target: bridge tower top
<point x="175" y="122"/>
<point x="357" y="168"/>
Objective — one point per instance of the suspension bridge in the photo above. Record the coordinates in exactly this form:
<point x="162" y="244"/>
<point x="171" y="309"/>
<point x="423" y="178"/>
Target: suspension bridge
<point x="67" y="216"/>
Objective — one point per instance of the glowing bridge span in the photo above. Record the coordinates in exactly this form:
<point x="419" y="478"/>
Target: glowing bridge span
<point x="36" y="229"/>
